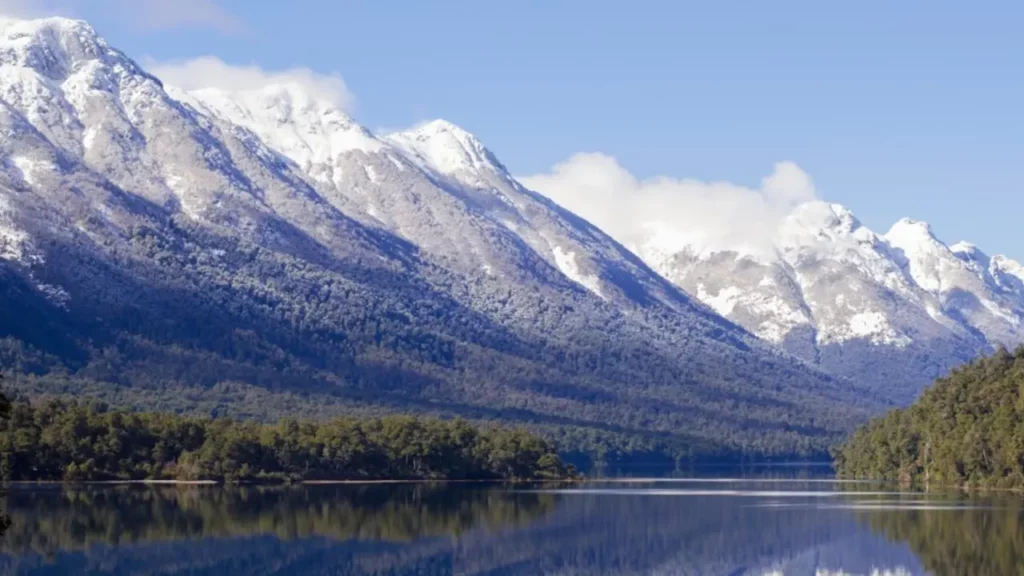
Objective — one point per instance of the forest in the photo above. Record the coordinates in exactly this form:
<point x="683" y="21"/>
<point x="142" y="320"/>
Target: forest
<point x="181" y="319"/>
<point x="965" y="431"/>
<point x="62" y="440"/>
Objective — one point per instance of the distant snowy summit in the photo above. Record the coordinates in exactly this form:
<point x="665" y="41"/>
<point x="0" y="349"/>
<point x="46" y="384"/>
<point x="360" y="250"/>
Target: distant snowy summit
<point x="891" y="308"/>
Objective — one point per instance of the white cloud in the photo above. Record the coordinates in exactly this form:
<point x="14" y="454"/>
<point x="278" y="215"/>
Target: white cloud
<point x="212" y="72"/>
<point x="143" y="14"/>
<point x="675" y="212"/>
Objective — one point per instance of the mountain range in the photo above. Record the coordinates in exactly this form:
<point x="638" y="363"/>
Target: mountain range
<point x="892" y="311"/>
<point x="259" y="253"/>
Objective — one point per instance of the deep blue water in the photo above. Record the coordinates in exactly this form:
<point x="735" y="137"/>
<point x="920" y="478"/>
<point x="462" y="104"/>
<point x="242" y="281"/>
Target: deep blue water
<point x="659" y="527"/>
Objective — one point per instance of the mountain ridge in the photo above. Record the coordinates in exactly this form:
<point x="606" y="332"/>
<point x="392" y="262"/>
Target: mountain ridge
<point x="189" y="249"/>
<point x="828" y="282"/>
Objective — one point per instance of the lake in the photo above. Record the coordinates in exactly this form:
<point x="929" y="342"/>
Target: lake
<point x="658" y="527"/>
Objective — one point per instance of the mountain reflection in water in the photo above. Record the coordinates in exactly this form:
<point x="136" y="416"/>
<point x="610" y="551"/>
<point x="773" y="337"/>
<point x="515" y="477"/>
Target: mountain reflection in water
<point x="684" y="527"/>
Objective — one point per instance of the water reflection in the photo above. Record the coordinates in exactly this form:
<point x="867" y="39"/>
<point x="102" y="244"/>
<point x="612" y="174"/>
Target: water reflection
<point x="955" y="535"/>
<point x="47" y="521"/>
<point x="706" y="527"/>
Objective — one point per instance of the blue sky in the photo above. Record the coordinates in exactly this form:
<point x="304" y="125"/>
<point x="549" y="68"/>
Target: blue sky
<point x="895" y="109"/>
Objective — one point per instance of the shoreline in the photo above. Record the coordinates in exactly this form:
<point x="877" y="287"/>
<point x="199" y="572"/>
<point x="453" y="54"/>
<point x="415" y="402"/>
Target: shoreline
<point x="29" y="483"/>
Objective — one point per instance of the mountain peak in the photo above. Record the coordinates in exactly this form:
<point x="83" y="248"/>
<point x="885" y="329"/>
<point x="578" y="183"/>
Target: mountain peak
<point x="301" y="124"/>
<point x="51" y="46"/>
<point x="1008" y="266"/>
<point x="907" y="227"/>
<point x="963" y="247"/>
<point x="968" y="251"/>
<point x="446" y="148"/>
<point x="822" y="216"/>
<point x="28" y="27"/>
<point x="441" y="126"/>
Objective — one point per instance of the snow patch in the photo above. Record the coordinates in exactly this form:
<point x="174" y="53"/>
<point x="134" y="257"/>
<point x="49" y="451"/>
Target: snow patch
<point x="777" y="315"/>
<point x="782" y="316"/>
<point x="13" y="243"/>
<point x="398" y="163"/>
<point x="997" y="310"/>
<point x="28" y="168"/>
<point x="55" y="294"/>
<point x="89" y="138"/>
<point x="724" y="302"/>
<point x="566" y="262"/>
<point x="871" y="325"/>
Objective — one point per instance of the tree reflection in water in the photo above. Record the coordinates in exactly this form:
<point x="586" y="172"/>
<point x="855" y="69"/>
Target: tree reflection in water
<point x="976" y="536"/>
<point x="497" y="530"/>
<point x="46" y="523"/>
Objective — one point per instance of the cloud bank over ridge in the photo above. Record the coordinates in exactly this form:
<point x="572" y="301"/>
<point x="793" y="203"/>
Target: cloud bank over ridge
<point x="212" y="72"/>
<point x="676" y="212"/>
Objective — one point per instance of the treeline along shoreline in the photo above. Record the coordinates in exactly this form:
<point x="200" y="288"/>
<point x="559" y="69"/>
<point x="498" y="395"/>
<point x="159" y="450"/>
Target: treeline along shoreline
<point x="70" y="441"/>
<point x="966" y="431"/>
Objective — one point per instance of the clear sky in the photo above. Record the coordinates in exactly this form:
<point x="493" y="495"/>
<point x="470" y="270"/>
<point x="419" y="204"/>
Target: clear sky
<point x="895" y="108"/>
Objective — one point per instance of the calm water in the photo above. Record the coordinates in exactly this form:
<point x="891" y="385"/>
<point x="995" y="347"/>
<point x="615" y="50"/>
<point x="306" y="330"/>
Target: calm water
<point x="701" y="526"/>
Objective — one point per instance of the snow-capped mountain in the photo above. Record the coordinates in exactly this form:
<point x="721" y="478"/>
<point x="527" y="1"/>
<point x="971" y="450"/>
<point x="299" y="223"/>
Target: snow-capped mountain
<point x="894" y="309"/>
<point x="172" y="242"/>
<point x="439" y="187"/>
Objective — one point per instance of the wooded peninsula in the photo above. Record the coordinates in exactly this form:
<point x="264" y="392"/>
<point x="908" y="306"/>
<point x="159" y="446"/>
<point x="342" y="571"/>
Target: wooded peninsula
<point x="60" y="440"/>
<point x="965" y="431"/>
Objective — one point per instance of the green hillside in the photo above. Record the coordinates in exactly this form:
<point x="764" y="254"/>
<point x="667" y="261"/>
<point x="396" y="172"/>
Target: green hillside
<point x="967" y="430"/>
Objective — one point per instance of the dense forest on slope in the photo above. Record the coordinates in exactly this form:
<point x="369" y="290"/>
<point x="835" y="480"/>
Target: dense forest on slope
<point x="57" y="440"/>
<point x="356" y="341"/>
<point x="967" y="430"/>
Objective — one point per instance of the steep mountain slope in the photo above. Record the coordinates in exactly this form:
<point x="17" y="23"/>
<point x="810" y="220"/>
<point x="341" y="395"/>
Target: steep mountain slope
<point x="439" y="187"/>
<point x="894" y="310"/>
<point x="263" y="252"/>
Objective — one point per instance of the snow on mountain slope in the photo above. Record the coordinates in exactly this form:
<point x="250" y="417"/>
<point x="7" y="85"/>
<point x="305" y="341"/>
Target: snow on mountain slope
<point x="281" y="166"/>
<point x="438" y="186"/>
<point x="447" y="149"/>
<point x="265" y="238"/>
<point x="81" y="112"/>
<point x="309" y="130"/>
<point x="834" y="284"/>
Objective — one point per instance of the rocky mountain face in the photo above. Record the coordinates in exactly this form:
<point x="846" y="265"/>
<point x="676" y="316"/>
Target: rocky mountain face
<point x="259" y="253"/>
<point x="892" y="310"/>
